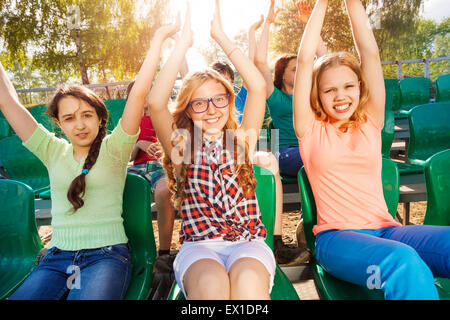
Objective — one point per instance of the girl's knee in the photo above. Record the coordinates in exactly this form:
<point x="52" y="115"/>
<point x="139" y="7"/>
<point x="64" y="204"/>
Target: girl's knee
<point x="249" y="279"/>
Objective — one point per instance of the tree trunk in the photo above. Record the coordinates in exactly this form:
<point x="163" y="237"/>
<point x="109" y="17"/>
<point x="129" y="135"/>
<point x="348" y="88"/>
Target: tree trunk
<point x="81" y="64"/>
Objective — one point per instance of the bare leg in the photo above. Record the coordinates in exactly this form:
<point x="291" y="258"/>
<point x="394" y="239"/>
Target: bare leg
<point x="250" y="280"/>
<point x="206" y="279"/>
<point x="166" y="214"/>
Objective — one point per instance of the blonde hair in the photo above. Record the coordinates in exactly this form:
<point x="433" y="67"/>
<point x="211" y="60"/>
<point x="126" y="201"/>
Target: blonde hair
<point x="192" y="82"/>
<point x="335" y="59"/>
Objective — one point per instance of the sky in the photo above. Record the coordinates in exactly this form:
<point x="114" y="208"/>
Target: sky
<point x="238" y="15"/>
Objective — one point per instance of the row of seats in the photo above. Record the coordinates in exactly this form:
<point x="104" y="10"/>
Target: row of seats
<point x="20" y="242"/>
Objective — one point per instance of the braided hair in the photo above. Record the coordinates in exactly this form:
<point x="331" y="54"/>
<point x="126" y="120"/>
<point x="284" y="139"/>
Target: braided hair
<point x="78" y="186"/>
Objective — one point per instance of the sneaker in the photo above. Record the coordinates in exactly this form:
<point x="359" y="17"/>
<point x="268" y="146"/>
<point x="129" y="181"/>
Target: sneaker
<point x="164" y="263"/>
<point x="300" y="234"/>
<point x="290" y="255"/>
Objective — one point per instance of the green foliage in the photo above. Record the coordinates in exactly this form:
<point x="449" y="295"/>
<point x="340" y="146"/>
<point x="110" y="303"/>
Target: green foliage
<point x="103" y="39"/>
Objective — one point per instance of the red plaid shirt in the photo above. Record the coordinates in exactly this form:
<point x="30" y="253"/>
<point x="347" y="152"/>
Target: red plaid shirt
<point x="215" y="206"/>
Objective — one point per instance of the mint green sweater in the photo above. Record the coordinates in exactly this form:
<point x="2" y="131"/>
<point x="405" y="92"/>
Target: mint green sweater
<point x="99" y="222"/>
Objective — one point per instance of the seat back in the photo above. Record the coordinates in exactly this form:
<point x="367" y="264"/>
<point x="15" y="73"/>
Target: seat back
<point x="21" y="164"/>
<point x="265" y="193"/>
<point x="388" y="132"/>
<point x="19" y="237"/>
<point x="414" y="91"/>
<point x="40" y="115"/>
<point x="5" y="129"/>
<point x="115" y="109"/>
<point x="137" y="220"/>
<point x="429" y="130"/>
<point x="392" y="94"/>
<point x="443" y="88"/>
<point x="391" y="190"/>
<point x="437" y="181"/>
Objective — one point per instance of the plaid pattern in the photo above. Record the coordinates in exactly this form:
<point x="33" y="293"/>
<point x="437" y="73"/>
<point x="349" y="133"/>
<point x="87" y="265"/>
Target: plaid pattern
<point x="152" y="171"/>
<point x="215" y="206"/>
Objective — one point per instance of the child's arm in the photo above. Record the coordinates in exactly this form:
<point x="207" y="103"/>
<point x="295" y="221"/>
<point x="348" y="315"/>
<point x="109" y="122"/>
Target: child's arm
<point x="367" y="48"/>
<point x="132" y="113"/>
<point x="159" y="96"/>
<point x="17" y="115"/>
<point x="303" y="114"/>
<point x="252" y="39"/>
<point x="254" y="82"/>
<point x="263" y="47"/>
<point x="304" y="12"/>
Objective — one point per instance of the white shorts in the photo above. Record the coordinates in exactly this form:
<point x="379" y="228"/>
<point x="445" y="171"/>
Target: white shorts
<point x="224" y="252"/>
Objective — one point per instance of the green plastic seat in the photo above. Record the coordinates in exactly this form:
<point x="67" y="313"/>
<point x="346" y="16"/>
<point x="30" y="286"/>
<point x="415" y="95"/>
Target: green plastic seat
<point x="137" y="216"/>
<point x="388" y="132"/>
<point x="115" y="109"/>
<point x="429" y="131"/>
<point x="443" y="88"/>
<point x="38" y="113"/>
<point x="5" y="129"/>
<point x="413" y="92"/>
<point x="437" y="181"/>
<point x="329" y="287"/>
<point x="19" y="238"/>
<point x="392" y="94"/>
<point x="265" y="193"/>
<point x="22" y="165"/>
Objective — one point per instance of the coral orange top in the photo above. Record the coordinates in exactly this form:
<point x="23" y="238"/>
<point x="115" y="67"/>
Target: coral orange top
<point x="344" y="170"/>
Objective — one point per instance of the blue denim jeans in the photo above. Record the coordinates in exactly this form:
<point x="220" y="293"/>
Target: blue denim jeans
<point x="289" y="161"/>
<point x="399" y="260"/>
<point x="88" y="274"/>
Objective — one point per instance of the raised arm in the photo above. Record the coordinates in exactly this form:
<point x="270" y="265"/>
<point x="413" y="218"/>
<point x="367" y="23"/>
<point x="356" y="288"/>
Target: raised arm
<point x="367" y="48"/>
<point x="17" y="115"/>
<point x="303" y="13"/>
<point x="254" y="106"/>
<point x="132" y="113"/>
<point x="303" y="114"/>
<point x="252" y="39"/>
<point x="263" y="47"/>
<point x="159" y="96"/>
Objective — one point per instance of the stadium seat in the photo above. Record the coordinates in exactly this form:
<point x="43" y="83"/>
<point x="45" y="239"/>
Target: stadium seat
<point x="38" y="113"/>
<point x="443" y="88"/>
<point x="388" y="132"/>
<point x="138" y="226"/>
<point x="265" y="193"/>
<point x="413" y="92"/>
<point x="429" y="131"/>
<point x="22" y="165"/>
<point x="19" y="238"/>
<point x="392" y="94"/>
<point x="5" y="129"/>
<point x="115" y="108"/>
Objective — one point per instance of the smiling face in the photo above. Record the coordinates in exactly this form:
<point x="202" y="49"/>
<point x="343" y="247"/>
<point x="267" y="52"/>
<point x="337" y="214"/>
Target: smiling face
<point x="339" y="92"/>
<point x="78" y="121"/>
<point x="213" y="120"/>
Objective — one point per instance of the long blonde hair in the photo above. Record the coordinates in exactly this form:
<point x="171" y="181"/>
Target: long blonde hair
<point x="191" y="82"/>
<point x="335" y="59"/>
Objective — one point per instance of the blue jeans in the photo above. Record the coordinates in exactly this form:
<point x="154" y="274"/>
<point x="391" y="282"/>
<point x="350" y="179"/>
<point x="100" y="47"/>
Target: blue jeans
<point x="289" y="161"/>
<point x="399" y="260"/>
<point x="88" y="274"/>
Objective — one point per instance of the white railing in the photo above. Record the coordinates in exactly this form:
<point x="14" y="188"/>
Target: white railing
<point x="425" y="61"/>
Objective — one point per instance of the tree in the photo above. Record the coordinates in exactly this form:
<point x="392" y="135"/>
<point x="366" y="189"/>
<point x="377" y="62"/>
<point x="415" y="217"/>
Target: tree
<point x="82" y="37"/>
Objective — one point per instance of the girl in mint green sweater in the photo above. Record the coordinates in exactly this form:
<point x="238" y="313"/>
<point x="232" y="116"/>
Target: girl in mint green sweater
<point x="88" y="255"/>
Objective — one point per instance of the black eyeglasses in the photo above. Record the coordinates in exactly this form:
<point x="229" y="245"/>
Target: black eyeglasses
<point x="201" y="105"/>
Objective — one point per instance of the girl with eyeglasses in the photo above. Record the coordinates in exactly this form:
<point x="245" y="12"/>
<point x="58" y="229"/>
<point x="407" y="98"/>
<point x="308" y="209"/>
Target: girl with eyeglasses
<point x="207" y="160"/>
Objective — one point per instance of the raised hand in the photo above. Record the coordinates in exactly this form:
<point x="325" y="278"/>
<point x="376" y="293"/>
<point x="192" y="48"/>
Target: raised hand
<point x="304" y="11"/>
<point x="187" y="36"/>
<point x="216" y="23"/>
<point x="257" y="24"/>
<point x="167" y="31"/>
<point x="272" y="14"/>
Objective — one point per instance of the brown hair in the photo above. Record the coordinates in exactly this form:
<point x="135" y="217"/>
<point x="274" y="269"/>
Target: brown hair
<point x="335" y="59"/>
<point x="246" y="179"/>
<point x="280" y="67"/>
<point x="223" y="68"/>
<point x="78" y="185"/>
